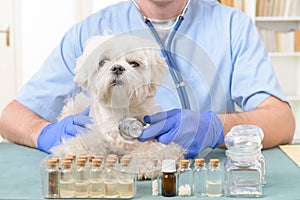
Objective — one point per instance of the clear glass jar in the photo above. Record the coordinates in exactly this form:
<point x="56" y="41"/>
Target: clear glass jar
<point x="97" y="188"/>
<point x="66" y="180"/>
<point x="82" y="177"/>
<point x="200" y="173"/>
<point x="185" y="179"/>
<point x="243" y="175"/>
<point x="245" y="165"/>
<point x="214" y="179"/>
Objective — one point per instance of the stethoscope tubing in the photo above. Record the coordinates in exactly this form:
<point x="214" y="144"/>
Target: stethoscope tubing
<point x="174" y="71"/>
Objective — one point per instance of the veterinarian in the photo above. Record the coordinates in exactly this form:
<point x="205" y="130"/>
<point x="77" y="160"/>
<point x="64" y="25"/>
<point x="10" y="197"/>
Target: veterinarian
<point x="224" y="37"/>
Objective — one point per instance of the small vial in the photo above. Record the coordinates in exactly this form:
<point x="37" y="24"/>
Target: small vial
<point x="126" y="188"/>
<point x="130" y="128"/>
<point x="185" y="179"/>
<point x="110" y="179"/>
<point x="82" y="177"/>
<point x="214" y="179"/>
<point x="66" y="181"/>
<point x="155" y="178"/>
<point x="52" y="178"/>
<point x="168" y="179"/>
<point x="97" y="187"/>
<point x="200" y="172"/>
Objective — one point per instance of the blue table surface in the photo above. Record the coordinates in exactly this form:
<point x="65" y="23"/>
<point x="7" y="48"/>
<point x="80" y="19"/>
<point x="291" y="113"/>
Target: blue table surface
<point x="20" y="175"/>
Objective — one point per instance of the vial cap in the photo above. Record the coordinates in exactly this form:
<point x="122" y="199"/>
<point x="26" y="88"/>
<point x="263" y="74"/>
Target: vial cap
<point x="96" y="162"/>
<point x="90" y="157"/>
<point x="168" y="166"/>
<point x="214" y="162"/>
<point x="52" y="162"/>
<point x="125" y="161"/>
<point x="55" y="159"/>
<point x="66" y="164"/>
<point x="200" y="162"/>
<point x="184" y="163"/>
<point x="127" y="156"/>
<point x="85" y="157"/>
<point x="81" y="162"/>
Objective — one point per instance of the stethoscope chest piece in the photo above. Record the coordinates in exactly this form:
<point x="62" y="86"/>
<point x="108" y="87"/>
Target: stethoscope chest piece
<point x="131" y="128"/>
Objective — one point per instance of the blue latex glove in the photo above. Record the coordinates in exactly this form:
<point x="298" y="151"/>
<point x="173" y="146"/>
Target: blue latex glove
<point x="54" y="133"/>
<point x="191" y="130"/>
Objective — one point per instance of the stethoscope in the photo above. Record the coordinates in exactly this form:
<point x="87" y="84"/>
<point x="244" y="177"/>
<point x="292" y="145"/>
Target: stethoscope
<point x="174" y="71"/>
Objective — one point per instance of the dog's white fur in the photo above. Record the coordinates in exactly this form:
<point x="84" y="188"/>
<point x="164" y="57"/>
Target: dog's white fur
<point x="122" y="74"/>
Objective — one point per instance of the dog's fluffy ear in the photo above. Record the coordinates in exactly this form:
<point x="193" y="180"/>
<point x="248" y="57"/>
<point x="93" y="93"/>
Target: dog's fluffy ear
<point x="82" y="68"/>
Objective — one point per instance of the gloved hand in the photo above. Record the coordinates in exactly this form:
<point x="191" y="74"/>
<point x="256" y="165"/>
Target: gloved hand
<point x="54" y="133"/>
<point x="191" y="130"/>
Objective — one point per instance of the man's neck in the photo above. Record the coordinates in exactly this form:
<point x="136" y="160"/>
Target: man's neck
<point x="161" y="9"/>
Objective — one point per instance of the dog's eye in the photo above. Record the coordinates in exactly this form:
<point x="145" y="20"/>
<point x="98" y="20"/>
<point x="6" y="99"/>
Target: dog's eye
<point x="134" y="64"/>
<point x="102" y="62"/>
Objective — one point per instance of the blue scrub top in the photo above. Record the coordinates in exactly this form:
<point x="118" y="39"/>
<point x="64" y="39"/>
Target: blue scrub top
<point x="217" y="49"/>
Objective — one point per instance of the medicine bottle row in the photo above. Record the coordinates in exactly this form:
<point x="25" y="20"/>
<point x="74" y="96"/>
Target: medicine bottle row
<point x="202" y="180"/>
<point x="184" y="181"/>
<point x="88" y="177"/>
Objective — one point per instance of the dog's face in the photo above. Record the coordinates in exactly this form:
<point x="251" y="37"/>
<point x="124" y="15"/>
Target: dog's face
<point x="120" y="70"/>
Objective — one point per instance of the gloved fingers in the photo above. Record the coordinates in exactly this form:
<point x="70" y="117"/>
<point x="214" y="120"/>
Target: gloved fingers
<point x="160" y="116"/>
<point x="75" y="129"/>
<point x="157" y="129"/>
<point x="82" y="120"/>
<point x="81" y="129"/>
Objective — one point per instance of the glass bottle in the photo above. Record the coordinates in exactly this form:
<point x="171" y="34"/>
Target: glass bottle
<point x="66" y="180"/>
<point x="168" y="179"/>
<point x="110" y="179"/>
<point x="214" y="179"/>
<point x="155" y="178"/>
<point x="245" y="139"/>
<point x="82" y="177"/>
<point x="200" y="172"/>
<point x="97" y="187"/>
<point x="185" y="179"/>
<point x="126" y="188"/>
<point x="244" y="168"/>
<point x="52" y="178"/>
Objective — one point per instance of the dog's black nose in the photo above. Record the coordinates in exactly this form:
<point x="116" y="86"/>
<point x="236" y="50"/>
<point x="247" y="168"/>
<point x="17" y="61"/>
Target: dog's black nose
<point x="117" y="69"/>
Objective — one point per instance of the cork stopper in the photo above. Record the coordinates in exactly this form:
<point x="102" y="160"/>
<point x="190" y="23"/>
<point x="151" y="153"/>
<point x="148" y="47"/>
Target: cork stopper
<point x="70" y="158"/>
<point x="66" y="164"/>
<point x="81" y="162"/>
<point x="127" y="156"/>
<point x="90" y="158"/>
<point x="112" y="157"/>
<point x="56" y="159"/>
<point x="100" y="157"/>
<point x="52" y="163"/>
<point x="125" y="161"/>
<point x="184" y="163"/>
<point x="96" y="162"/>
<point x="83" y="157"/>
<point x="214" y="162"/>
<point x="110" y="162"/>
<point x="199" y="162"/>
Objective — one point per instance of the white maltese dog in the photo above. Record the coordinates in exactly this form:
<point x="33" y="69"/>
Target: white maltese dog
<point x="121" y="75"/>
